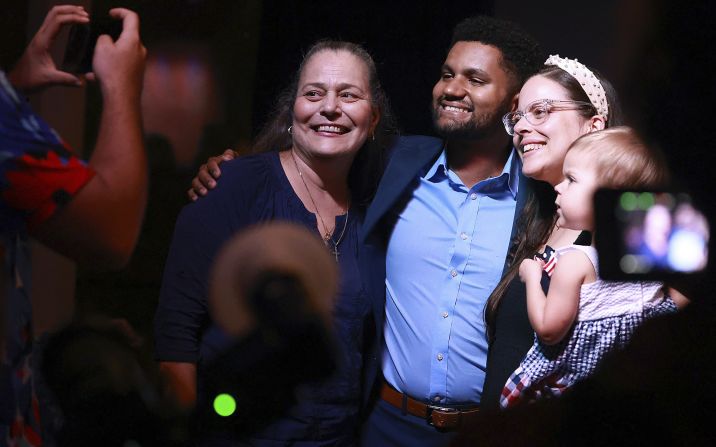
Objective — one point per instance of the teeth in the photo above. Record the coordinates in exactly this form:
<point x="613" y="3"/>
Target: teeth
<point x="530" y="147"/>
<point x="455" y="109"/>
<point x="332" y="129"/>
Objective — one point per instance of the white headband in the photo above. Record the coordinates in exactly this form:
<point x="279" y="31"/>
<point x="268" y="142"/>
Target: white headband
<point x="591" y="85"/>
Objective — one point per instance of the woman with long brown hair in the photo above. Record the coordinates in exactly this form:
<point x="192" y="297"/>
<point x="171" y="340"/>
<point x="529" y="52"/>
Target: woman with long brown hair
<point x="320" y="165"/>
<point x="556" y="106"/>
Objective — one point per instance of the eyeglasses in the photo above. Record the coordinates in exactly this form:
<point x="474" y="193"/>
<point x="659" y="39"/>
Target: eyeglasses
<point x="538" y="112"/>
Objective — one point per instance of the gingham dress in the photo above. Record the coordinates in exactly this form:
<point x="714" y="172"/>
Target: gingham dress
<point x="609" y="312"/>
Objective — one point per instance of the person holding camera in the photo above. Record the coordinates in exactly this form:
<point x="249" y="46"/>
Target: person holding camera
<point x="90" y="212"/>
<point x="582" y="317"/>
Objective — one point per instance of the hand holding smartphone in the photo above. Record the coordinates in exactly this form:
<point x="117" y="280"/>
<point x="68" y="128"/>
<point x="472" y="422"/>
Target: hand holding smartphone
<point x="644" y="234"/>
<point x="82" y="40"/>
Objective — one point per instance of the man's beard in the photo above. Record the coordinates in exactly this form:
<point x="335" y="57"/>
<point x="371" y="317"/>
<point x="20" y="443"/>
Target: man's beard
<point x="479" y="126"/>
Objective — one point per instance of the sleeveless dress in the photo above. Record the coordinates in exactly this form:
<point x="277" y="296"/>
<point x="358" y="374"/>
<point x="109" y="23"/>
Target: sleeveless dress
<point x="609" y="313"/>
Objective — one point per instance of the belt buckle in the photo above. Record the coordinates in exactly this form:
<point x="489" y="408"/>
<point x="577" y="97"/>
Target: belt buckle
<point x="429" y="414"/>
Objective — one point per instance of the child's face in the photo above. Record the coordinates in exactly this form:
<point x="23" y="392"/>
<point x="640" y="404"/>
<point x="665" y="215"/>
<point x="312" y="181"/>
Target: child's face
<point x="575" y="193"/>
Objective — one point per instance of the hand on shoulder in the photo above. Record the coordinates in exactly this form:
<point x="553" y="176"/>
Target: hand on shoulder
<point x="209" y="172"/>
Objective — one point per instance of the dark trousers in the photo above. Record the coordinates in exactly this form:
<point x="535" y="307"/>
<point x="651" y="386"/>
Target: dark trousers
<point x="388" y="426"/>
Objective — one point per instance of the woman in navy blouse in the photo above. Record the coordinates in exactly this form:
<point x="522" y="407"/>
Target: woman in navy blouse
<point x="319" y="163"/>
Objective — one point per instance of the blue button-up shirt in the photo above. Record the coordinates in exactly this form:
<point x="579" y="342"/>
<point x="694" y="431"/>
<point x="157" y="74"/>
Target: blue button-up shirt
<point x="445" y="255"/>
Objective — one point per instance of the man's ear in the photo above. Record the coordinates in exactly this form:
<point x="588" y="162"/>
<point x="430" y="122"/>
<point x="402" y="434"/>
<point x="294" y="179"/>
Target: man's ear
<point x="514" y="101"/>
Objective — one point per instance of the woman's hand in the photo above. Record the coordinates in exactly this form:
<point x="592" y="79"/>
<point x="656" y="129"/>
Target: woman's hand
<point x="208" y="173"/>
<point x="531" y="270"/>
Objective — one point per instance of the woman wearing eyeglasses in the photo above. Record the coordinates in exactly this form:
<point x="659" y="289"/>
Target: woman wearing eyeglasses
<point x="556" y="106"/>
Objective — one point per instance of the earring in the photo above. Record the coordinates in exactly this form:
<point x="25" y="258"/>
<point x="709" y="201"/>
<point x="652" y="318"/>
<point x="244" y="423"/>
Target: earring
<point x="290" y="130"/>
<point x="372" y="136"/>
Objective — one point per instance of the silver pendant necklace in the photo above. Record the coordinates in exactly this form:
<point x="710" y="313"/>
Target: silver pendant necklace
<point x="328" y="235"/>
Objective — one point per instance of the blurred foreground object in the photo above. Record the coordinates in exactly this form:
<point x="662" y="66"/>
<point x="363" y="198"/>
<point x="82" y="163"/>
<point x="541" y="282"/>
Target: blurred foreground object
<point x="272" y="288"/>
<point x="658" y="391"/>
<point x="243" y="269"/>
<point x="107" y="394"/>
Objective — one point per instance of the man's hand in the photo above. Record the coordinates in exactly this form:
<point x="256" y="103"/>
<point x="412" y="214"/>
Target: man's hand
<point x="208" y="172"/>
<point x="36" y="70"/>
<point x="119" y="66"/>
<point x="101" y="223"/>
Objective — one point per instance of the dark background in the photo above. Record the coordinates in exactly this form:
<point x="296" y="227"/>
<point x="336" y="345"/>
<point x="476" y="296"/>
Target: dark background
<point x="659" y="55"/>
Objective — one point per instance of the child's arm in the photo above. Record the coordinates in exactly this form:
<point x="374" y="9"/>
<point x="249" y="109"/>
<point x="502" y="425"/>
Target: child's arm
<point x="552" y="316"/>
<point x="680" y="299"/>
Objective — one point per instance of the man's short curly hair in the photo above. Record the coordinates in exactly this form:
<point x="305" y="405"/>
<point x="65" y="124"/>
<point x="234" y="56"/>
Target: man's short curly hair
<point x="522" y="55"/>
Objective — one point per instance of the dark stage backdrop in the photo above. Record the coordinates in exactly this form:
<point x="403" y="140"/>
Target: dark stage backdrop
<point x="658" y="53"/>
<point x="408" y="40"/>
<point x="256" y="45"/>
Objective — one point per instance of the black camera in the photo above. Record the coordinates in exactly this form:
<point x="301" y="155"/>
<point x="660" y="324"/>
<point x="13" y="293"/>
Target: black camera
<point x="81" y="42"/>
<point x="648" y="234"/>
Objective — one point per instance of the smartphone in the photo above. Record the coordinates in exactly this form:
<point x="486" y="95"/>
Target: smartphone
<point x="81" y="42"/>
<point x="649" y="234"/>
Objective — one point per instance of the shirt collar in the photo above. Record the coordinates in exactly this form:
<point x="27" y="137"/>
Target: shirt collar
<point x="438" y="171"/>
<point x="510" y="172"/>
<point x="512" y="169"/>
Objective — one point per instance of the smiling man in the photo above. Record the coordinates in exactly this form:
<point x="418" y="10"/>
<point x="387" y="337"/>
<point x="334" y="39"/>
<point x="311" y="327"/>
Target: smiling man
<point x="444" y="214"/>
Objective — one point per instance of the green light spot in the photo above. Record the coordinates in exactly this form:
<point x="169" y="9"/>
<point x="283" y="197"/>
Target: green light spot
<point x="646" y="200"/>
<point x="628" y="201"/>
<point x="224" y="405"/>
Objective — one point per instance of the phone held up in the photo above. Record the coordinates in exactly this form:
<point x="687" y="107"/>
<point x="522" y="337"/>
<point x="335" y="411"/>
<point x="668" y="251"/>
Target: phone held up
<point x="81" y="42"/>
<point x="648" y="234"/>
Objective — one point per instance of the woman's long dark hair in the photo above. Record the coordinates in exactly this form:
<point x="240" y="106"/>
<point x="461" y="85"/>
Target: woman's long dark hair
<point x="538" y="216"/>
<point x="368" y="165"/>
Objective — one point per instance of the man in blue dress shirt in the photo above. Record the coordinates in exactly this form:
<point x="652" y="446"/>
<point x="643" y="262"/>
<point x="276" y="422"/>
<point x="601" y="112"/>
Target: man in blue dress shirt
<point x="444" y="214"/>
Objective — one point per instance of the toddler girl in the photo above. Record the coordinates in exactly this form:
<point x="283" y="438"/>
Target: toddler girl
<point x="583" y="317"/>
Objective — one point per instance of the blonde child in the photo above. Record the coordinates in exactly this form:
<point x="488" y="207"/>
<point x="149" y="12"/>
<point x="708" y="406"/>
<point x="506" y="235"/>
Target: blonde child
<point x="583" y="317"/>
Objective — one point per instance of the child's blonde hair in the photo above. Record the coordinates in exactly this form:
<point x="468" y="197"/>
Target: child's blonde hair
<point x="622" y="159"/>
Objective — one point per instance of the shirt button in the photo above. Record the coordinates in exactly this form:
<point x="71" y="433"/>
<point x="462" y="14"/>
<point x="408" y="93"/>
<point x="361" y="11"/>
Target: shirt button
<point x="444" y="314"/>
<point x="463" y="236"/>
<point x="473" y="196"/>
<point x="453" y="273"/>
<point x="440" y="357"/>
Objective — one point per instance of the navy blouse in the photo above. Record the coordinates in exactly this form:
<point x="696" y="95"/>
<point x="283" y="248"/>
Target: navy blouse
<point x="253" y="189"/>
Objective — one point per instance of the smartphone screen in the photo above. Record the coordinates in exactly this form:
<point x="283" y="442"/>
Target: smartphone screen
<point x="649" y="234"/>
<point x="81" y="42"/>
<point x="78" y="54"/>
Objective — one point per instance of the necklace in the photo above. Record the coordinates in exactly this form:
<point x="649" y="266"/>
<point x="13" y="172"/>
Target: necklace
<point x="328" y="235"/>
<point x="334" y="250"/>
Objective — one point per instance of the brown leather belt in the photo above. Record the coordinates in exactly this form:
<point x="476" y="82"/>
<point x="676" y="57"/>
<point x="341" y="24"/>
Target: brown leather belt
<point x="443" y="418"/>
